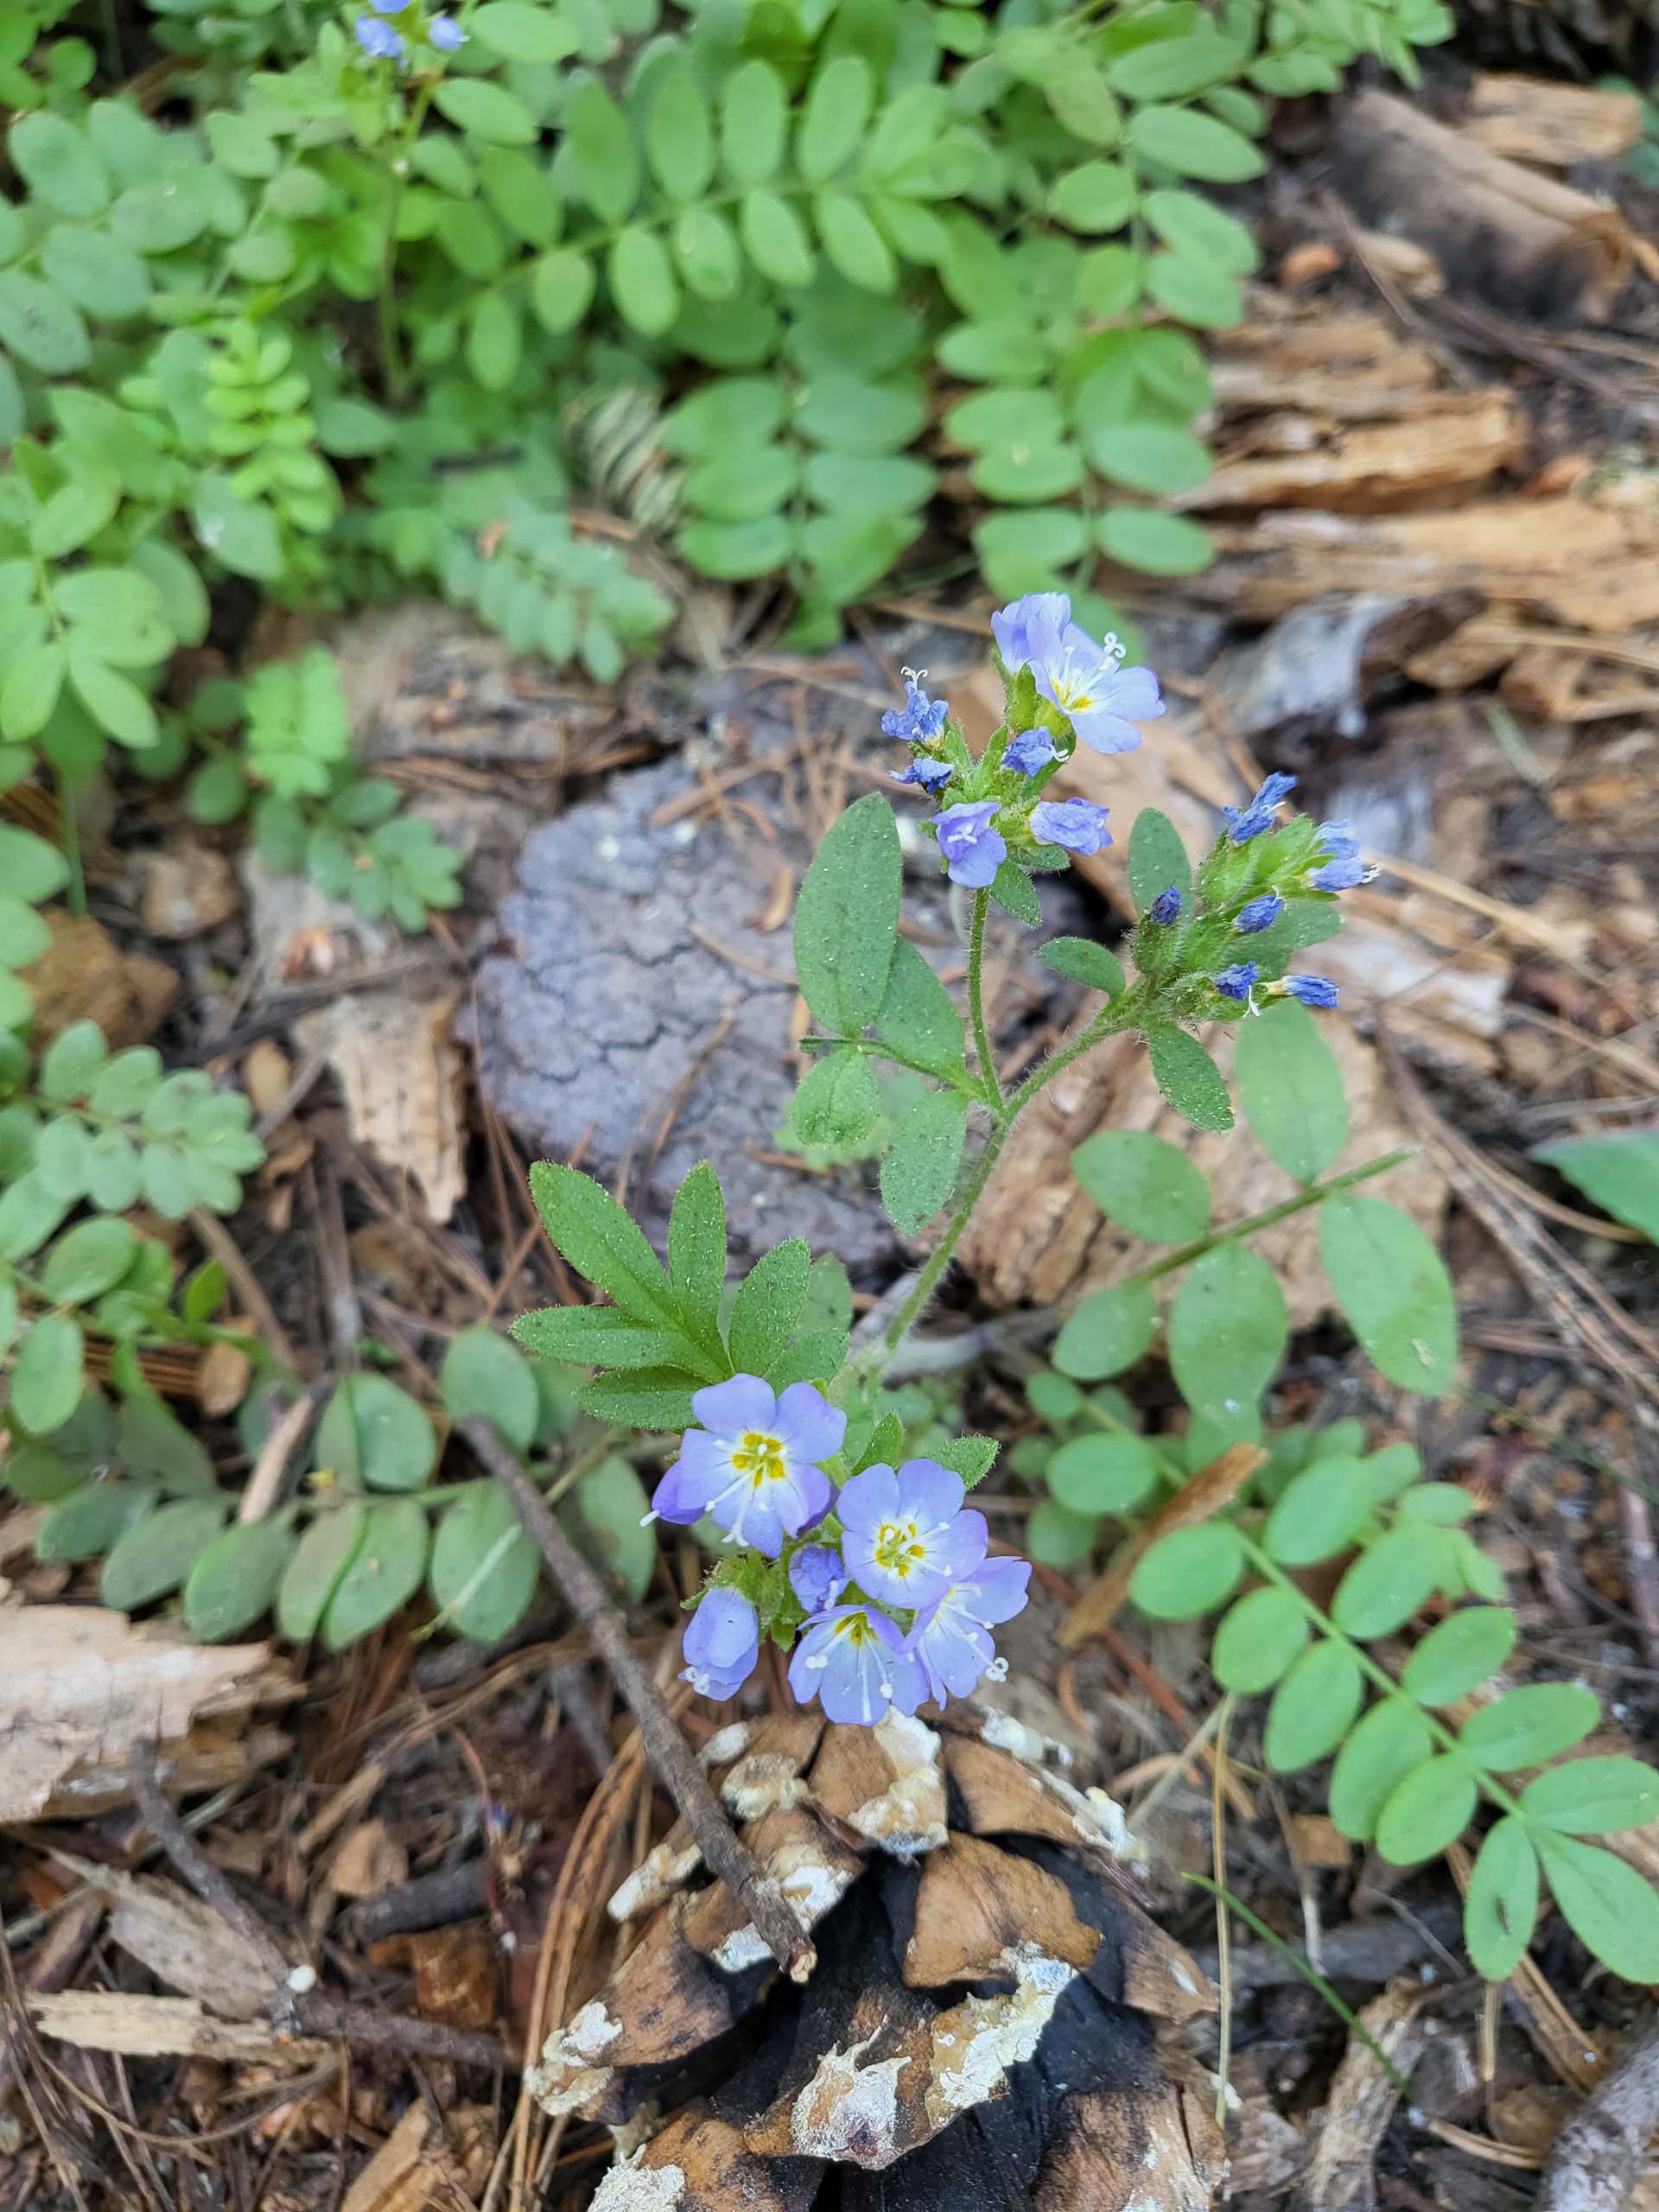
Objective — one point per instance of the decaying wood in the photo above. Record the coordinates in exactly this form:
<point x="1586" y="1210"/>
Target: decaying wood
<point x="1588" y="563"/>
<point x="1600" y="2152"/>
<point x="79" y="1687"/>
<point x="1344" y="368"/>
<point x="400" y="1070"/>
<point x="1551" y="124"/>
<point x="1523" y="241"/>
<point x="1449" y="445"/>
<point x="166" y="2027"/>
<point x="1340" y="2172"/>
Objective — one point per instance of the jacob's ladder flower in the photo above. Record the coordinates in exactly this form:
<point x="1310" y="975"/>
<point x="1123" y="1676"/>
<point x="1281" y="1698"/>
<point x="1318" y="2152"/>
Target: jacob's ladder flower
<point x="952" y="1640"/>
<point x="1165" y="908"/>
<point x="1238" y="982"/>
<point x="446" y="33"/>
<point x="753" y="1464"/>
<point x="973" y="849"/>
<point x="905" y="1535"/>
<point x="721" y="1644"/>
<point x="920" y="720"/>
<point x="1244" y="822"/>
<point x="1029" y="752"/>
<point x="1261" y="914"/>
<point x="1076" y="823"/>
<point x="1307" y="990"/>
<point x="855" y="1662"/>
<point x="379" y="39"/>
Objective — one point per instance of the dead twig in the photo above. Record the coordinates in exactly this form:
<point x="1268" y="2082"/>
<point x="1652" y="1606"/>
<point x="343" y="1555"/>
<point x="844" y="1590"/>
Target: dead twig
<point x="362" y="2024"/>
<point x="670" y="1757"/>
<point x="1597" y="2158"/>
<point x="264" y="1488"/>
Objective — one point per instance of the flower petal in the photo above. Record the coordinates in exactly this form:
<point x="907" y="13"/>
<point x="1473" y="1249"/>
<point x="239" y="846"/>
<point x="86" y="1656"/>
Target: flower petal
<point x="1105" y="733"/>
<point x="868" y="1499"/>
<point x="1133" y="693"/>
<point x="682" y="1496"/>
<point x="730" y="1407"/>
<point x="997" y="1590"/>
<point x="806" y="1421"/>
<point x="930" y="1491"/>
<point x="962" y="1546"/>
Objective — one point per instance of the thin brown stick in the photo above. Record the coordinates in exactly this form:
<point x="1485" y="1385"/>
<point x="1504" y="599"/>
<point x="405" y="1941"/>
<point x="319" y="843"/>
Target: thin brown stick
<point x="723" y="1850"/>
<point x="316" y="2015"/>
<point x="264" y="1488"/>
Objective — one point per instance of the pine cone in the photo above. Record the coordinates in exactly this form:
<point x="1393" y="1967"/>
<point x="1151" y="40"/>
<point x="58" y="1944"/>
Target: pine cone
<point x="979" y="2034"/>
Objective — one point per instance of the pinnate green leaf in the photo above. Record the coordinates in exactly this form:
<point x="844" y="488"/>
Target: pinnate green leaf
<point x="1102" y="1473"/>
<point x="1525" y="1726"/>
<point x="1189" y="1572"/>
<point x="47" y="1373"/>
<point x="1107" y="1333"/>
<point x="1460" y="1654"/>
<point x="483" y="1375"/>
<point x="1228" y="1329"/>
<point x="1392" y="1285"/>
<point x="753" y="110"/>
<point x="1429" y="1809"/>
<point x="1146" y="1185"/>
<point x="1501" y="1904"/>
<point x="847" y="918"/>
<point x="696" y="1249"/>
<point x="611" y="1506"/>
<point x="55" y="162"/>
<point x="1612" y="1909"/>
<point x="1389" y="1581"/>
<point x="917" y="1016"/>
<point x="1193" y="145"/>
<point x="837" y="1104"/>
<point x="919" y="1172"/>
<point x="1314" y="1708"/>
<point x="383" y="1574"/>
<point x="1189" y="1079"/>
<point x="374" y="1432"/>
<point x="491" y="113"/>
<point x="313" y="1573"/>
<point x="1159" y="544"/>
<point x="87" y="1259"/>
<point x="154" y="1555"/>
<point x="601" y="1241"/>
<point x="1594" y="1796"/>
<point x="838" y="110"/>
<point x="91" y="1520"/>
<point x="484" y="1568"/>
<point x="1391" y="1742"/>
<point x="1291" y="1089"/>
<point x="1320" y="1512"/>
<point x="235" y="1579"/>
<point x="768" y="1306"/>
<point x="32" y="869"/>
<point x="1258" y="1640"/>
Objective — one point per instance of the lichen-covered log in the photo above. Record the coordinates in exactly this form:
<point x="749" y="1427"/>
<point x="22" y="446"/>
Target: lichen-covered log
<point x="983" y="2028"/>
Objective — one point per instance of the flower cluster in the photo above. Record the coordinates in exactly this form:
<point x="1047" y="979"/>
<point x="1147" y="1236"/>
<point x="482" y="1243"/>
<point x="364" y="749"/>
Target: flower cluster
<point x="383" y="41"/>
<point x="1260" y="865"/>
<point x="1064" y="689"/>
<point x="895" y="1596"/>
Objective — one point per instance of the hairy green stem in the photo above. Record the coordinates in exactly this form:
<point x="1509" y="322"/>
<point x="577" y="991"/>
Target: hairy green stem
<point x="976" y="999"/>
<point x="1184" y="1255"/>
<point x="939" y="1258"/>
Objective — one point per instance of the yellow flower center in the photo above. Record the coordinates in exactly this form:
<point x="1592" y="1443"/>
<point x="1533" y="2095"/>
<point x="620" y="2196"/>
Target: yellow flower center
<point x="760" y="1458"/>
<point x="1074" y="697"/>
<point x="898" y="1549"/>
<point x="855" y="1627"/>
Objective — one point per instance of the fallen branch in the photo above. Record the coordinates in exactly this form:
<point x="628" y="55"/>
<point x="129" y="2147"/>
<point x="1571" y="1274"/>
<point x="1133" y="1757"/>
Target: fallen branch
<point x="723" y="1850"/>
<point x="1597" y="2159"/>
<point x="292" y="2002"/>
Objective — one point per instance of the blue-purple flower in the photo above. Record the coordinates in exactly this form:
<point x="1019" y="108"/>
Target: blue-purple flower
<point x="446" y="33"/>
<point x="1339" y="852"/>
<point x="1244" y="822"/>
<point x="1167" y="907"/>
<point x="932" y="775"/>
<point x="1307" y="990"/>
<point x="721" y="1644"/>
<point x="1101" y="699"/>
<point x="816" y="1576"/>
<point x="1029" y="752"/>
<point x="1238" y="982"/>
<point x="973" y="849"/>
<point x="905" y="1536"/>
<point x="920" y="720"/>
<point x="1012" y="626"/>
<point x="1076" y="823"/>
<point x="379" y="39"/>
<point x="952" y="1640"/>
<point x="855" y="1662"/>
<point x="753" y="1464"/>
<point x="1260" y="914"/>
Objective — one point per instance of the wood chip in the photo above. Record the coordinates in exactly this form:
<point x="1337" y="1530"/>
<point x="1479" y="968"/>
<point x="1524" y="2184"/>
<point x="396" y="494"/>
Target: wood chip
<point x="1340" y="2173"/>
<point x="367" y="1860"/>
<point x="180" y="1940"/>
<point x="166" y="2027"/>
<point x="79" y="1686"/>
<point x="400" y="1071"/>
<point x="1550" y="125"/>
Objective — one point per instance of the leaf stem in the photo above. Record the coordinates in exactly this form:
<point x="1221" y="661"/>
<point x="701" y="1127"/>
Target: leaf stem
<point x="1184" y="1255"/>
<point x="977" y="1000"/>
<point x="1380" y="1677"/>
<point x="939" y="1258"/>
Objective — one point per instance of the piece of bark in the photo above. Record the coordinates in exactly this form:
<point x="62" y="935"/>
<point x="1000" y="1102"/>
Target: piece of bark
<point x="1462" y="440"/>
<point x="1598" y="2157"/>
<point x="83" y="976"/>
<point x="1348" y="368"/>
<point x="166" y="2027"/>
<point x="1526" y="242"/>
<point x="1340" y="2172"/>
<point x="400" y="1071"/>
<point x="79" y="1687"/>
<point x="1551" y="124"/>
<point x="1587" y="564"/>
<point x="183" y="1942"/>
<point x="1313" y="672"/>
